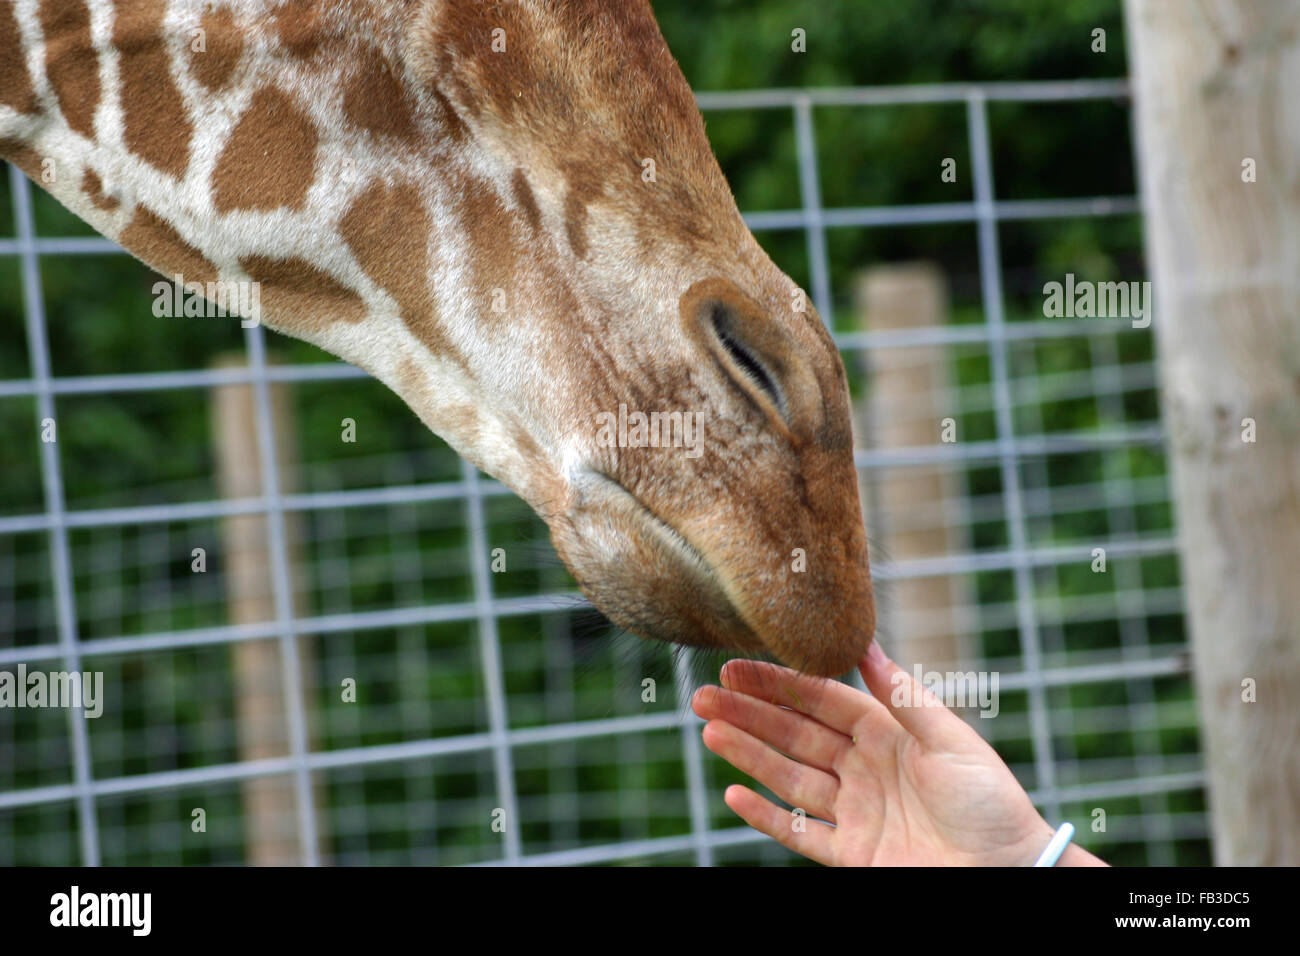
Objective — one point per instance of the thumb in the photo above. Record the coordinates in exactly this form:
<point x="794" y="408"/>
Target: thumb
<point x="921" y="713"/>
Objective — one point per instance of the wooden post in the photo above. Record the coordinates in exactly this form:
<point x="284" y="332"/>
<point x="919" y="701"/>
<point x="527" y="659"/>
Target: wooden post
<point x="270" y="811"/>
<point x="1216" y="85"/>
<point x="905" y="405"/>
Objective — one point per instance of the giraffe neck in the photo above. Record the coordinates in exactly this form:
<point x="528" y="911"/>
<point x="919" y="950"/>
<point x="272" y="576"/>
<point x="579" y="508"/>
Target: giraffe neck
<point x="289" y="146"/>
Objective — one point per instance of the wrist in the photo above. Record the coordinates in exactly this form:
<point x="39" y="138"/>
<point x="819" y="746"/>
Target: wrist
<point x="1030" y="846"/>
<point x="1076" y="855"/>
<point x="1073" y="855"/>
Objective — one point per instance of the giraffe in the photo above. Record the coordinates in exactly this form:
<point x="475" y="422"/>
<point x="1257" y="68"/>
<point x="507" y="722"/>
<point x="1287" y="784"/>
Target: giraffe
<point x="509" y="213"/>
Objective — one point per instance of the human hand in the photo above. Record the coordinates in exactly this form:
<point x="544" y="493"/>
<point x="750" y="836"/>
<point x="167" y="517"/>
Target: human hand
<point x="904" y="785"/>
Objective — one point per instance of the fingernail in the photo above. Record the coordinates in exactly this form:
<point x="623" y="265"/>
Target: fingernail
<point x="876" y="655"/>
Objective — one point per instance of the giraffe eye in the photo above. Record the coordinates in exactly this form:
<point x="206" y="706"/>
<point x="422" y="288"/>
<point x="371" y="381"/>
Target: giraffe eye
<point x="745" y="359"/>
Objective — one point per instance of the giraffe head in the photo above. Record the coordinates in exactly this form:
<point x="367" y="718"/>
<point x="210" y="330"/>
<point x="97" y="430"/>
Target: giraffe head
<point x="675" y="409"/>
<point x="509" y="212"/>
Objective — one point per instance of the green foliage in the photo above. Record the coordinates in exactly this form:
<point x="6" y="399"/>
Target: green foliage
<point x="743" y="44"/>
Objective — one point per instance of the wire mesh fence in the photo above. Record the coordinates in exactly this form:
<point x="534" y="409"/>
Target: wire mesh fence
<point x="487" y="693"/>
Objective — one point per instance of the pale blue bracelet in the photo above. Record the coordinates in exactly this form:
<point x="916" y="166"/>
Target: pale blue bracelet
<point x="1060" y="840"/>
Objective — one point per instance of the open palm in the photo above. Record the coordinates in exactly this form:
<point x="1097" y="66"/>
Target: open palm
<point x="903" y="784"/>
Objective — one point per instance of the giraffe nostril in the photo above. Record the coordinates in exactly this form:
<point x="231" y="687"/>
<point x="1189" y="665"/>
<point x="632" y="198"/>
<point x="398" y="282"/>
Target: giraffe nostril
<point x="745" y="358"/>
<point x="765" y="354"/>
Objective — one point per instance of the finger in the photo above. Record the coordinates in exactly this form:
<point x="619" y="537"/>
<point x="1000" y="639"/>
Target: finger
<point x="815" y="842"/>
<point x="911" y="703"/>
<point x="793" y="734"/>
<point x="806" y="787"/>
<point x="827" y="701"/>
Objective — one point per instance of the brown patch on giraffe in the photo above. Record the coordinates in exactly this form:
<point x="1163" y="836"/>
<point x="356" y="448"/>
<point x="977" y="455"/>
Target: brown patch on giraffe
<point x="456" y="129"/>
<point x="459" y="421"/>
<point x="154" y="241"/>
<point x="300" y="297"/>
<point x="93" y="187"/>
<point x="297" y="24"/>
<point x="269" y="160"/>
<point x="22" y="156"/>
<point x="559" y="302"/>
<point x="416" y="387"/>
<point x="575" y="223"/>
<point x="529" y="450"/>
<point x="16" y="88"/>
<point x="376" y="100"/>
<point x="524" y="196"/>
<point x="413" y="383"/>
<point x="389" y="232"/>
<point x="459" y="51"/>
<point x="547" y="95"/>
<point x="588" y="182"/>
<point x="223" y="45"/>
<point x="70" y="62"/>
<point x="156" y="125"/>
<point x="497" y="246"/>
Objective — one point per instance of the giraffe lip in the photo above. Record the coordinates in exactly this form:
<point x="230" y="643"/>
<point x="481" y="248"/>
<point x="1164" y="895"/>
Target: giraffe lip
<point x="679" y="540"/>
<point x="694" y="561"/>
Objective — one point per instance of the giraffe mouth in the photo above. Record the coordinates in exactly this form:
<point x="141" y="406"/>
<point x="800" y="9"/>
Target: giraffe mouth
<point x="712" y="617"/>
<point x="679" y="540"/>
